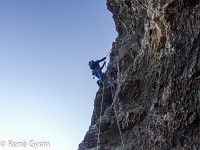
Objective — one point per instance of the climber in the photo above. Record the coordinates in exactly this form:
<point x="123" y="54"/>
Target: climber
<point x="96" y="70"/>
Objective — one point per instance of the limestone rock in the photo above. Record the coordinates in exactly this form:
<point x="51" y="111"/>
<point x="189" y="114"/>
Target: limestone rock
<point x="153" y="78"/>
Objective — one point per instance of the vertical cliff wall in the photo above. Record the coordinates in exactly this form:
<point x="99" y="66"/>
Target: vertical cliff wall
<point x="153" y="78"/>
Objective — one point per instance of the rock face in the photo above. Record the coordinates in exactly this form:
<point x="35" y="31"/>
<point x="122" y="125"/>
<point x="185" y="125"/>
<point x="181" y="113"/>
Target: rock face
<point x="152" y="80"/>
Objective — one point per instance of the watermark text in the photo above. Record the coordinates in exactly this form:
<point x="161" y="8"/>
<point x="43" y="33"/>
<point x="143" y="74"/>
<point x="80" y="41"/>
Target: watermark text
<point x="25" y="144"/>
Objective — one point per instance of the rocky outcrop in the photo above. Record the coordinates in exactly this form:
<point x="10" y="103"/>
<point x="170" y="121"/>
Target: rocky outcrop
<point x="152" y="80"/>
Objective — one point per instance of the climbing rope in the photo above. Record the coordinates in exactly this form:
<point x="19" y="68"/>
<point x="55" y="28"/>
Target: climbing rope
<point x="100" y="118"/>
<point x="108" y="53"/>
<point x="115" y="110"/>
<point x="106" y="57"/>
<point x="120" y="132"/>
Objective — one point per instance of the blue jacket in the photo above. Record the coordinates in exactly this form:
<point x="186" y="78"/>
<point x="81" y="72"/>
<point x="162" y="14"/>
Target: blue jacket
<point x="95" y="64"/>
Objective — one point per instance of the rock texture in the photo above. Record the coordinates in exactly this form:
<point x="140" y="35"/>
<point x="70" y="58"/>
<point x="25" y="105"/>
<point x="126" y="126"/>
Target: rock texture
<point x="153" y="78"/>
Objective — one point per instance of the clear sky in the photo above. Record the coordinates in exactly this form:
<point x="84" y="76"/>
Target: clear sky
<point x="46" y="88"/>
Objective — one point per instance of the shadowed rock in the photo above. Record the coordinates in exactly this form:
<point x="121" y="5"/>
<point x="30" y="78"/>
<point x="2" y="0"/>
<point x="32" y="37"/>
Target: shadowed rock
<point x="155" y="66"/>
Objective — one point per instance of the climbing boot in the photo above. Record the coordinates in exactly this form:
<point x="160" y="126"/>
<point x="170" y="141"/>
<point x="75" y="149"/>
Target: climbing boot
<point x="99" y="84"/>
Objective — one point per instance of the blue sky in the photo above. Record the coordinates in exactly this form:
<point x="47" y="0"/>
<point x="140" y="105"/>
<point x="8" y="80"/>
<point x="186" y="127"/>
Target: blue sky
<point x="46" y="88"/>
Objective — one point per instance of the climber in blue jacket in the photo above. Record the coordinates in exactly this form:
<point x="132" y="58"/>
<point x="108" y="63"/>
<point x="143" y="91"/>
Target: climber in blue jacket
<point x="96" y="70"/>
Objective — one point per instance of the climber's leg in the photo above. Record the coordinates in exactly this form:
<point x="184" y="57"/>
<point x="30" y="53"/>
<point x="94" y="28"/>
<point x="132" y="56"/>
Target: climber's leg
<point x="100" y="74"/>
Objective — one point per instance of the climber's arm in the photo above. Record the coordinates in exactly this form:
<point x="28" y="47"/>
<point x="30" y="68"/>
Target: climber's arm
<point x="98" y="61"/>
<point x="103" y="65"/>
